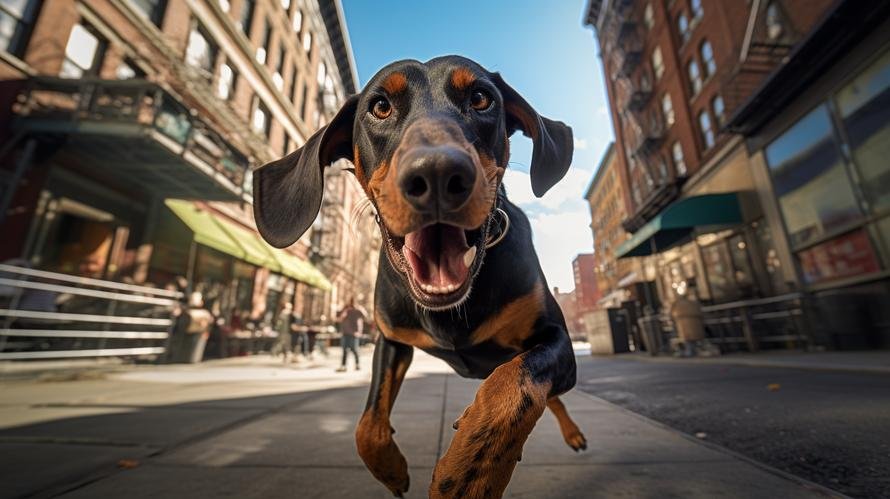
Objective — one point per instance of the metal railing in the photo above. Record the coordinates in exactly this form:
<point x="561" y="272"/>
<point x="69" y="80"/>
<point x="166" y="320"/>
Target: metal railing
<point x="753" y="323"/>
<point x="48" y="315"/>
<point x="135" y="102"/>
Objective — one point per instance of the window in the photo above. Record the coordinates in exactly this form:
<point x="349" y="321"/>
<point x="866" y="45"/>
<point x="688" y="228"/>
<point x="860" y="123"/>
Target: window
<point x="83" y="53"/>
<point x="694" y="77"/>
<point x="285" y="4"/>
<point x="683" y="28"/>
<point x="201" y="52"/>
<point x="128" y="70"/>
<point x="648" y="16"/>
<point x="307" y="42"/>
<point x="16" y="22"/>
<point x="707" y="57"/>
<point x="293" y="85"/>
<point x="303" y="101"/>
<point x="225" y="85"/>
<point x="298" y="20"/>
<point x="152" y="9"/>
<point x="774" y="26"/>
<point x="707" y="131"/>
<point x="810" y="180"/>
<point x="718" y="109"/>
<point x="322" y="73"/>
<point x="286" y="148"/>
<point x="679" y="162"/>
<point x="260" y="121"/>
<point x="697" y="10"/>
<point x="657" y="63"/>
<point x="262" y="52"/>
<point x="279" y="67"/>
<point x="247" y="10"/>
<point x="225" y="5"/>
<point x="667" y="109"/>
<point x="864" y="108"/>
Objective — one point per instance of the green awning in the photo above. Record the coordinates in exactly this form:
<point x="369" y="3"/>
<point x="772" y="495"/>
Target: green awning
<point x="301" y="270"/>
<point x="678" y="222"/>
<point x="256" y="251"/>
<point x="203" y="224"/>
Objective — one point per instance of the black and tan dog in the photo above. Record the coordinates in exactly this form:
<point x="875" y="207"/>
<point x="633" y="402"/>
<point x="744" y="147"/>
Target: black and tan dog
<point x="458" y="275"/>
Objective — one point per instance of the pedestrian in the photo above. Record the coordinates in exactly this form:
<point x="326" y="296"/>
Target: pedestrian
<point x="688" y="320"/>
<point x="352" y="321"/>
<point x="283" y="328"/>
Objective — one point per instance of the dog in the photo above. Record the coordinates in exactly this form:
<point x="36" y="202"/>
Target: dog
<point x="458" y="275"/>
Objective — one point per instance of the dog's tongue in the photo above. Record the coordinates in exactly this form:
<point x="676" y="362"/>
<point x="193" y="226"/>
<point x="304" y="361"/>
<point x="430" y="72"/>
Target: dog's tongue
<point x="436" y="254"/>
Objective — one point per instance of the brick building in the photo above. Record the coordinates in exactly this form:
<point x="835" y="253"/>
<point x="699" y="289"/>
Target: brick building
<point x="130" y="129"/>
<point x="702" y="200"/>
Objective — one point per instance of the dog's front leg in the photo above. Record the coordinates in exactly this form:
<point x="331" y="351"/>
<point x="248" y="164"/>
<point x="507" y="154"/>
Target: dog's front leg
<point x="373" y="436"/>
<point x="493" y="429"/>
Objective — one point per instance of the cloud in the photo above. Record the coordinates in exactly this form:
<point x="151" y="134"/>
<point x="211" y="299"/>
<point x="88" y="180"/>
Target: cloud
<point x="602" y="110"/>
<point x="567" y="193"/>
<point x="580" y="144"/>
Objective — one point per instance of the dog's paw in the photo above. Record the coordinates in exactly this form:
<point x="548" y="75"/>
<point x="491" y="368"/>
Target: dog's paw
<point x="382" y="456"/>
<point x="576" y="440"/>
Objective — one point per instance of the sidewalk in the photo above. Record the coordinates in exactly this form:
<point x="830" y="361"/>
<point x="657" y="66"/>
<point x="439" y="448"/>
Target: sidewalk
<point x="255" y="428"/>
<point x="871" y="361"/>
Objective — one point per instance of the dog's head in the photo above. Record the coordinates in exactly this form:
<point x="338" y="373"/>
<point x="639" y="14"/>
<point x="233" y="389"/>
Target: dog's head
<point x="429" y="142"/>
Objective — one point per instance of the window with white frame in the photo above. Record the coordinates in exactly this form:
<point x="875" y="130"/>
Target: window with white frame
<point x="297" y="21"/>
<point x="695" y="82"/>
<point x="649" y="16"/>
<point x="307" y="42"/>
<point x="201" y="52"/>
<point x="707" y="57"/>
<point x="277" y="76"/>
<point x="152" y="9"/>
<point x="667" y="110"/>
<point x="774" y="26"/>
<point x="260" y="122"/>
<point x="657" y="63"/>
<point x="718" y="109"/>
<point x="679" y="161"/>
<point x="225" y="84"/>
<point x="285" y="4"/>
<point x="683" y="27"/>
<point x="262" y="52"/>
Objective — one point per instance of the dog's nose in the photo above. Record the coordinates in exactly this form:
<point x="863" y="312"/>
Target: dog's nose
<point x="437" y="179"/>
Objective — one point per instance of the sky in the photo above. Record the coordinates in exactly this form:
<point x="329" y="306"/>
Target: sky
<point x="542" y="50"/>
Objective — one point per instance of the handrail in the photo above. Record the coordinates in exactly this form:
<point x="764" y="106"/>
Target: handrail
<point x="66" y="317"/>
<point x="70" y="333"/>
<point x="86" y="292"/>
<point x="87" y="281"/>
<point x="753" y="302"/>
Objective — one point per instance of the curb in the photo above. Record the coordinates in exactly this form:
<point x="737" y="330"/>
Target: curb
<point x="804" y="483"/>
<point x="728" y="361"/>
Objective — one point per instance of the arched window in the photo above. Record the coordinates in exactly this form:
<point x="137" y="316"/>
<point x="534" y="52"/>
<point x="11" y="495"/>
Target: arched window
<point x="667" y="109"/>
<point x="683" y="27"/>
<point x="707" y="57"/>
<point x="718" y="109"/>
<point x="679" y="162"/>
<point x="657" y="63"/>
<point x="697" y="10"/>
<point x="694" y="77"/>
<point x="707" y="131"/>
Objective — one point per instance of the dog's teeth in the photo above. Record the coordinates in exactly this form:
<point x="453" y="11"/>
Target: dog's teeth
<point x="469" y="256"/>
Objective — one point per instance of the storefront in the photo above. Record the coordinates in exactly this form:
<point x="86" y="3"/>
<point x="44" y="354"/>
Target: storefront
<point x="823" y="137"/>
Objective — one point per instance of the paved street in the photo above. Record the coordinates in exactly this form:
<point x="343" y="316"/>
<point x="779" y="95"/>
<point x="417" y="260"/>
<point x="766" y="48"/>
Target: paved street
<point x="828" y="426"/>
<point x="255" y="428"/>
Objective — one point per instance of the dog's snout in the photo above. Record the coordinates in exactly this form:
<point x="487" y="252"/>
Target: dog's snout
<point x="437" y="179"/>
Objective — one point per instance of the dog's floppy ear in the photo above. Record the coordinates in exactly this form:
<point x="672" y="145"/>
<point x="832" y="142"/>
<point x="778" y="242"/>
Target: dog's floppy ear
<point x="553" y="144"/>
<point x="287" y="193"/>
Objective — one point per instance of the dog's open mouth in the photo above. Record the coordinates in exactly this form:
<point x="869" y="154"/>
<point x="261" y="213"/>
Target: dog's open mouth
<point x="439" y="262"/>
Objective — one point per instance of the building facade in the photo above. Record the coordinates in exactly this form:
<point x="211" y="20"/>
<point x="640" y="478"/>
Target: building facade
<point x="702" y="204"/>
<point x="130" y="130"/>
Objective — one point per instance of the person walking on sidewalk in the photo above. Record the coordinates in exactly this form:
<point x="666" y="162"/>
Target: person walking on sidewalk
<point x="352" y="322"/>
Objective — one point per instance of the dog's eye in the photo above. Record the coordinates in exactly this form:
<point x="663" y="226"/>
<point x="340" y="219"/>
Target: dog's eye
<point x="480" y="100"/>
<point x="381" y="108"/>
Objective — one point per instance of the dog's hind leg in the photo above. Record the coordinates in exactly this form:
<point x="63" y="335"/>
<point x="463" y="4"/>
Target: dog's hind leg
<point x="570" y="431"/>
<point x="373" y="436"/>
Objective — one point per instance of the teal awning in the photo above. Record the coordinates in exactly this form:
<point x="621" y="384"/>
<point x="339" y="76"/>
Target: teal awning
<point x="677" y="222"/>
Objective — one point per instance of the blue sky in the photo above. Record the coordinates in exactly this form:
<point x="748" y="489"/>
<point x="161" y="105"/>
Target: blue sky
<point x="542" y="50"/>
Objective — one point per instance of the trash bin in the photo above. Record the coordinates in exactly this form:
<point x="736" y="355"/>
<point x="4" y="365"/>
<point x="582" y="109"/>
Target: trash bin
<point x="650" y="326"/>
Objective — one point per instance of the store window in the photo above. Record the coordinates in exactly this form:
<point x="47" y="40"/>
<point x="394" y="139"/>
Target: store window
<point x="649" y="16"/>
<point x="667" y="109"/>
<point x="695" y="82"/>
<point x="225" y="85"/>
<point x="16" y="22"/>
<point x="719" y="272"/>
<point x="707" y="131"/>
<point x="707" y="57"/>
<point x="683" y="28"/>
<point x="718" y="109"/>
<point x="247" y="9"/>
<point x="83" y="53"/>
<point x="848" y="255"/>
<point x="864" y="107"/>
<point x="657" y="63"/>
<point x="679" y="161"/>
<point x="810" y="180"/>
<point x="770" y="255"/>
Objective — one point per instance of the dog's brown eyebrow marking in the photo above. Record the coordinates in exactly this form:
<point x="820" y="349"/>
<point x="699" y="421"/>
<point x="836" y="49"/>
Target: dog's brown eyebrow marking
<point x="462" y="78"/>
<point x="395" y="83"/>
